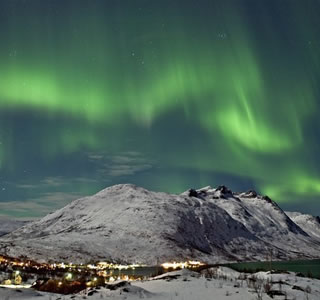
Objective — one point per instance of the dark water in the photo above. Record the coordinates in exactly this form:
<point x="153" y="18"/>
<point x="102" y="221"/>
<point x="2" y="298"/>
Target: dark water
<point x="137" y="273"/>
<point x="310" y="268"/>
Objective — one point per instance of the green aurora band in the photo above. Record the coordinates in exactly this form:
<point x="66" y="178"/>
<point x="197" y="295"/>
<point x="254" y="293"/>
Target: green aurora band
<point x="245" y="74"/>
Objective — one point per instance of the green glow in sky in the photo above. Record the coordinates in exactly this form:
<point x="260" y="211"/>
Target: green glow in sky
<point x="299" y="185"/>
<point x="229" y="88"/>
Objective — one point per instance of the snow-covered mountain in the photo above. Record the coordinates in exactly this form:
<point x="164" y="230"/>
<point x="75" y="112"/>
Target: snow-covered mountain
<point x="8" y="225"/>
<point x="126" y="223"/>
<point x="308" y="223"/>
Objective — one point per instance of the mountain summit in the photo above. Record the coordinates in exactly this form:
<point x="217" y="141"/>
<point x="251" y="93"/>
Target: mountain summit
<point x="129" y="224"/>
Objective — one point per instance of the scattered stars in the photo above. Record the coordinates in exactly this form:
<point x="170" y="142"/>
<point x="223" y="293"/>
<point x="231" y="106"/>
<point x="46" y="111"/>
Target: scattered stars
<point x="139" y="60"/>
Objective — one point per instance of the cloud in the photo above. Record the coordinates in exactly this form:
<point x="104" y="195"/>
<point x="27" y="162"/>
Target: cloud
<point x="47" y="182"/>
<point x="125" y="164"/>
<point x="126" y="170"/>
<point x="39" y="206"/>
<point x="26" y="186"/>
<point x="94" y="157"/>
<point x="54" y="182"/>
<point x="52" y="192"/>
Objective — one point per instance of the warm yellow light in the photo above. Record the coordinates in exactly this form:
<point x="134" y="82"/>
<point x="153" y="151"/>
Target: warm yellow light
<point x="91" y="267"/>
<point x="195" y="264"/>
<point x="181" y="265"/>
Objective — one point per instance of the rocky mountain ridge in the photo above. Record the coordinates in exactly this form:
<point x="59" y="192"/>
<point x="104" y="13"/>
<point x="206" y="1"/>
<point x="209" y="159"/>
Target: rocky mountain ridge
<point x="129" y="224"/>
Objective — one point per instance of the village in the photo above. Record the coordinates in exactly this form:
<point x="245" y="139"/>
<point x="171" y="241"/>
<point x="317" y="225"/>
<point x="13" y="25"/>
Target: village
<point x="66" y="278"/>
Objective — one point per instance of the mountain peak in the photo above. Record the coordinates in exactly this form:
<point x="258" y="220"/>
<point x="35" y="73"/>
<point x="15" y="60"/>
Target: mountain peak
<point x="250" y="194"/>
<point x="120" y="188"/>
<point x="224" y="190"/>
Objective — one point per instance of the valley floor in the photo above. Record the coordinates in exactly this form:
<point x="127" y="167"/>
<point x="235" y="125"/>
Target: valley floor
<point x="221" y="283"/>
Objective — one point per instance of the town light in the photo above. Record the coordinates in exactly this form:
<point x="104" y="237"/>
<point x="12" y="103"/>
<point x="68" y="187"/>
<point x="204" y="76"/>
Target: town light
<point x="182" y="265"/>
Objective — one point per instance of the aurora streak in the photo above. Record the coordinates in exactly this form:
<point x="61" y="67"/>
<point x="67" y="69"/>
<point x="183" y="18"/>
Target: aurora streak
<point x="197" y="92"/>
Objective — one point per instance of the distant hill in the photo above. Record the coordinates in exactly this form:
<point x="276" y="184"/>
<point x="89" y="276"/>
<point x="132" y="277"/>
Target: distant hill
<point x="8" y="225"/>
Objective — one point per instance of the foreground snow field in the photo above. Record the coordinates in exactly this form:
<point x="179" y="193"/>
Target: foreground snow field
<point x="221" y="283"/>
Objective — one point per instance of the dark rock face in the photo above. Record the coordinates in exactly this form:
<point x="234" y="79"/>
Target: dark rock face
<point x="193" y="193"/>
<point x="318" y="219"/>
<point x="293" y="227"/>
<point x="224" y="190"/>
<point x="266" y="198"/>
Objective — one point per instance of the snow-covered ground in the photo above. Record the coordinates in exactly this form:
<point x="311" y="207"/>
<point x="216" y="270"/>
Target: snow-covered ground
<point x="221" y="283"/>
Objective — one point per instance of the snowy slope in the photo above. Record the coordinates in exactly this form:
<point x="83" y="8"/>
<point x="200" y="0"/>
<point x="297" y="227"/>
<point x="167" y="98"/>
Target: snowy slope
<point x="308" y="223"/>
<point x="265" y="219"/>
<point x="126" y="223"/>
<point x="8" y="225"/>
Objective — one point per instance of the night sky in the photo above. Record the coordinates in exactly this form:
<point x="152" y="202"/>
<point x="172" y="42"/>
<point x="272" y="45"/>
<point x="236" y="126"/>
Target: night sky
<point x="164" y="94"/>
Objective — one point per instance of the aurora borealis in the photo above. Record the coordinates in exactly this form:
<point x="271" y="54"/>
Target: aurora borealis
<point x="164" y="94"/>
